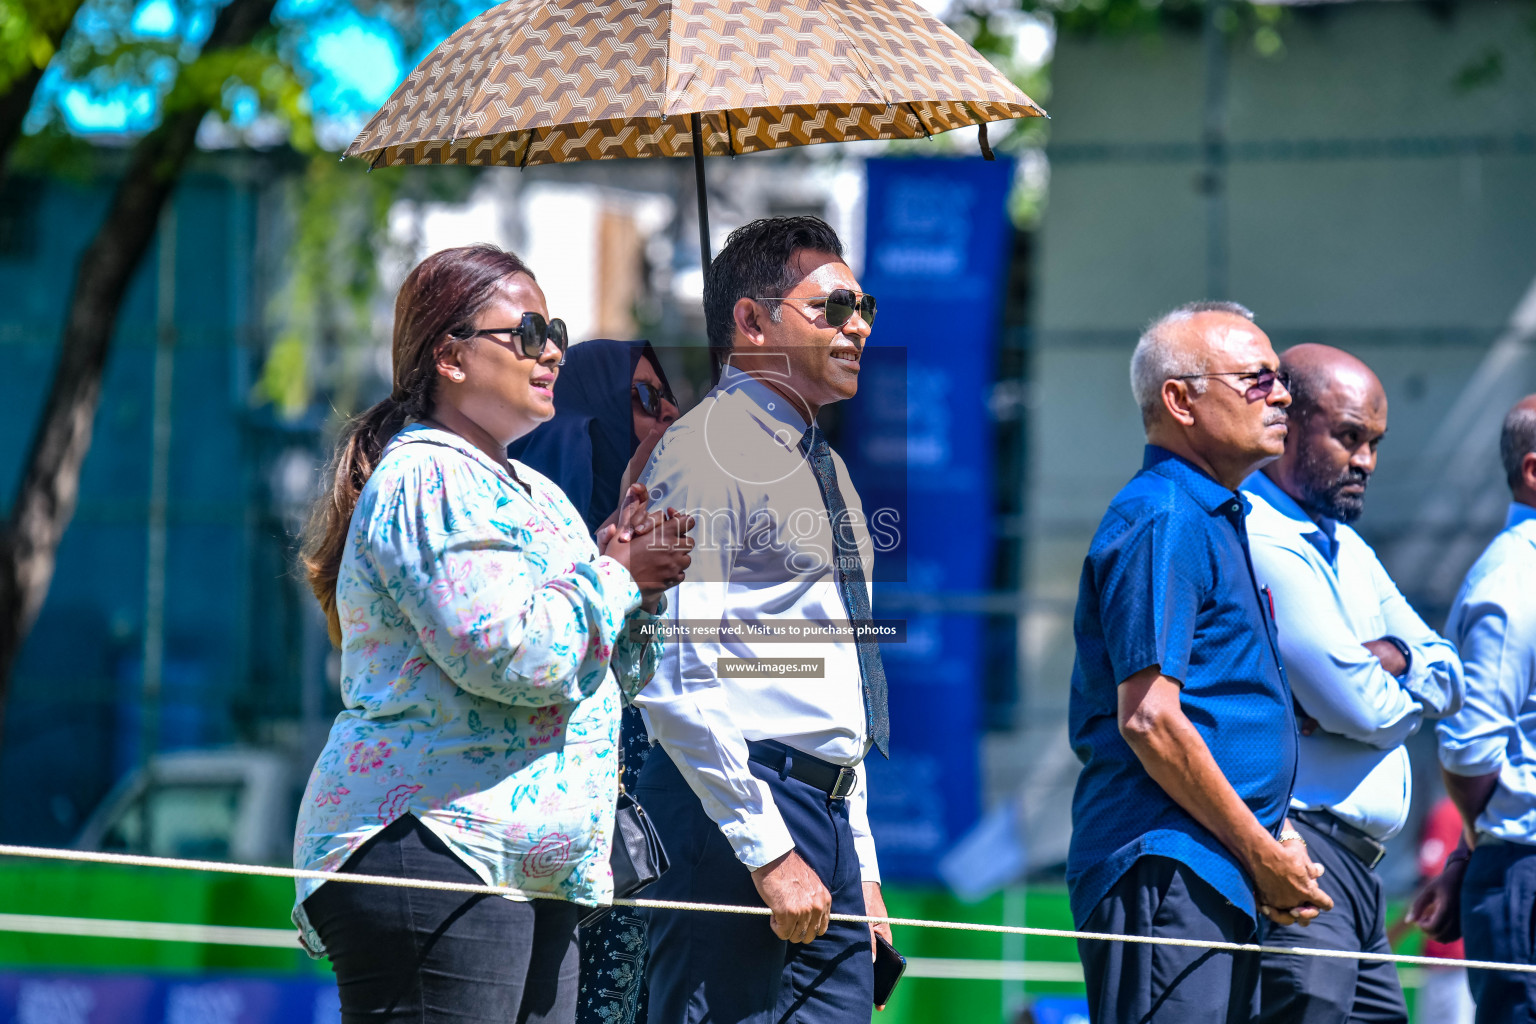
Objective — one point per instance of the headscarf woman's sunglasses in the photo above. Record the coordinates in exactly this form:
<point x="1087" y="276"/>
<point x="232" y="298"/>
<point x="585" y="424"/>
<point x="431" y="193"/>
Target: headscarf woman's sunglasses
<point x="533" y="332"/>
<point x="839" y="307"/>
<point x="650" y="398"/>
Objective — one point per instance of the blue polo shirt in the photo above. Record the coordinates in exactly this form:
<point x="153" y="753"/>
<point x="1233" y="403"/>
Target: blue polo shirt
<point x="1168" y="581"/>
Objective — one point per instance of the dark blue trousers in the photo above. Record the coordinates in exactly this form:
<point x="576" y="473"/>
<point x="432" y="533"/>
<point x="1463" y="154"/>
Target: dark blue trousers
<point x="1498" y="897"/>
<point x="1134" y="983"/>
<point x="1315" y="990"/>
<point x="731" y="968"/>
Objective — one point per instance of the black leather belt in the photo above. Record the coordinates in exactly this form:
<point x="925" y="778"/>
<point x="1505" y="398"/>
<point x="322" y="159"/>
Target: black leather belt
<point x="834" y="780"/>
<point x="1367" y="850"/>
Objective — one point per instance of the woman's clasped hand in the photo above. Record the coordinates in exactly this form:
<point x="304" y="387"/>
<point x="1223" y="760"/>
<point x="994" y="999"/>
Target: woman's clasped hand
<point x="653" y="545"/>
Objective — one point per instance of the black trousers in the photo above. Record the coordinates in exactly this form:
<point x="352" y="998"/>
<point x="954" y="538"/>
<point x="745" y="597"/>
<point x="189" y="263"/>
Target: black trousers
<point x="731" y="968"/>
<point x="432" y="957"/>
<point x="1314" y="990"/>
<point x="1498" y="920"/>
<point x="1135" y="983"/>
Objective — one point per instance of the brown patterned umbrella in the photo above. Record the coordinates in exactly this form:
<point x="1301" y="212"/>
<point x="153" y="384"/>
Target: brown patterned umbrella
<point x="547" y="81"/>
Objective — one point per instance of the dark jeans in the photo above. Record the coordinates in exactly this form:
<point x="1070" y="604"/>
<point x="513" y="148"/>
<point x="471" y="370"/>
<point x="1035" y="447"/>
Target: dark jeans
<point x="731" y="968"/>
<point x="1315" y="990"/>
<point x="1498" y="897"/>
<point x="432" y="957"/>
<point x="1135" y="983"/>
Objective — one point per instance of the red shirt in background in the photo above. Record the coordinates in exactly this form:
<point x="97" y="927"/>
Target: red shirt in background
<point x="1442" y="831"/>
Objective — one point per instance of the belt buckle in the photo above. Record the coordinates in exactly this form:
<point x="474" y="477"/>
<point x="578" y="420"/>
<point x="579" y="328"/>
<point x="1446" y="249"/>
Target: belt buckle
<point x="847" y="781"/>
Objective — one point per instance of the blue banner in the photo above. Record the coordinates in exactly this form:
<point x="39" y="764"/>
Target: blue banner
<point x="918" y="439"/>
<point x="150" y="999"/>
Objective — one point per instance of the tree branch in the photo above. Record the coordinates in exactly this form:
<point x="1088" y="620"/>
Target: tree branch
<point x="45" y="502"/>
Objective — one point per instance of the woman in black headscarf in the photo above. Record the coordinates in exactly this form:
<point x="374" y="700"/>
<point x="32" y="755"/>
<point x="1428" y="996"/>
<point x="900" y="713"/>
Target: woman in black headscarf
<point x="612" y="404"/>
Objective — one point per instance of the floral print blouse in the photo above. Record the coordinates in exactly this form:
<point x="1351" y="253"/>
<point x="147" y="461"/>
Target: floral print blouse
<point x="484" y="649"/>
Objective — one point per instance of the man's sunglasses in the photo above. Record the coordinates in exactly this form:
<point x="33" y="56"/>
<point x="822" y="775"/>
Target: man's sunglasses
<point x="650" y="398"/>
<point x="840" y="305"/>
<point x="533" y="332"/>
<point x="1255" y="384"/>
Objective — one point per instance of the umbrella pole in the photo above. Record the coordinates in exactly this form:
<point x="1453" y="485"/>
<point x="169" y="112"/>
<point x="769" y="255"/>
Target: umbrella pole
<point x="698" y="181"/>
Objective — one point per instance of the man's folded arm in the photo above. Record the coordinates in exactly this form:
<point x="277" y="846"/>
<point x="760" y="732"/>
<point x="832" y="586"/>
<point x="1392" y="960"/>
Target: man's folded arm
<point x="1434" y="676"/>
<point x="1333" y="676"/>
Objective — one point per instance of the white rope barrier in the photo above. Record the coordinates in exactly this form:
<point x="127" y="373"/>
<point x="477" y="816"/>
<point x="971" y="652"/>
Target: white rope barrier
<point x="262" y="870"/>
<point x="944" y="968"/>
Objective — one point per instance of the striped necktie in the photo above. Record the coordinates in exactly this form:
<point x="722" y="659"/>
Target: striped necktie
<point x="851" y="586"/>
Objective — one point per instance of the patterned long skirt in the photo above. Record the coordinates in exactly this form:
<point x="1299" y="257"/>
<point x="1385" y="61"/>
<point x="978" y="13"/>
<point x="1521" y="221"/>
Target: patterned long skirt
<point x="614" y="948"/>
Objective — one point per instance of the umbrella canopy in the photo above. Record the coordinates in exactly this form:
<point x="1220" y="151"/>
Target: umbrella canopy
<point x="547" y="81"/>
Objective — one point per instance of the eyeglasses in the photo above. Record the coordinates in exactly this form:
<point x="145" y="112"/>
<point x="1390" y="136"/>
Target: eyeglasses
<point x="840" y="305"/>
<point x="533" y="332"/>
<point x="1256" y="384"/>
<point x="650" y="398"/>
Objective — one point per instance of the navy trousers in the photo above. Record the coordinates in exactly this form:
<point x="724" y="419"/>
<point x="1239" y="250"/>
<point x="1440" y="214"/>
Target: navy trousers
<point x="1498" y="897"/>
<point x="1314" y="990"/>
<point x="731" y="968"/>
<point x="1134" y="983"/>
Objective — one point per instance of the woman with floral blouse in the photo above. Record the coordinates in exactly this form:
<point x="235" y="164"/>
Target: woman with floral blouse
<point x="485" y="653"/>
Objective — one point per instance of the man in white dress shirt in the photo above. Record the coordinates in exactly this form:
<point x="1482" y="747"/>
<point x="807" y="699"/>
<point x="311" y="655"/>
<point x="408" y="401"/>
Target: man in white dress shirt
<point x="1365" y="670"/>
<point x="761" y="799"/>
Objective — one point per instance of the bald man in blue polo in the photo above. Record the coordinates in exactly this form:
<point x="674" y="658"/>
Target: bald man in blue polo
<point x="1180" y="710"/>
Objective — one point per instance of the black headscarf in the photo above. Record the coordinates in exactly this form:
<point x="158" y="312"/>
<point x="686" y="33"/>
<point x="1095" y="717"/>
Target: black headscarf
<point x="591" y="438"/>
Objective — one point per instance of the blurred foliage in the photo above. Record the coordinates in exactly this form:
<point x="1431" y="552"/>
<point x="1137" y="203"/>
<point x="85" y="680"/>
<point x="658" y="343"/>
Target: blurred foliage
<point x="323" y="315"/>
<point x="1488" y="68"/>
<point x="1100" y="17"/>
<point x="1485" y="69"/>
<point x="28" y="30"/>
<point x="329" y="316"/>
<point x="994" y="27"/>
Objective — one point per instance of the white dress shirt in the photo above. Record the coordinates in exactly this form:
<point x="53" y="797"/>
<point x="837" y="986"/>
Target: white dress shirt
<point x="1330" y="596"/>
<point x="763" y="555"/>
<point x="1494" y="622"/>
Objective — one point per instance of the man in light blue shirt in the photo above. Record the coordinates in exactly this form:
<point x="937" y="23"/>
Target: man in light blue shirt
<point x="1365" y="671"/>
<point x="1488" y="751"/>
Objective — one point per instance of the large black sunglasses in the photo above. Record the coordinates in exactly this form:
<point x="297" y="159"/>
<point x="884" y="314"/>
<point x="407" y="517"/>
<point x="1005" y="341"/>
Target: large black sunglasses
<point x="650" y="398"/>
<point x="840" y="305"/>
<point x="533" y="332"/>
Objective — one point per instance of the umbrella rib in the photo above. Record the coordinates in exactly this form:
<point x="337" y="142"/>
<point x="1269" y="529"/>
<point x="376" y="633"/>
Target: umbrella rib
<point x="920" y="122"/>
<point x="871" y="79"/>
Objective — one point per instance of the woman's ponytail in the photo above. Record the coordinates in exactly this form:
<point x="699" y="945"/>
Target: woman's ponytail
<point x="439" y="298"/>
<point x="362" y="443"/>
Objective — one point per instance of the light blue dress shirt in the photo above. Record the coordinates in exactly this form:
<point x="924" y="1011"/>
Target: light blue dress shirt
<point x="1331" y="595"/>
<point x="763" y="555"/>
<point x="1494" y="623"/>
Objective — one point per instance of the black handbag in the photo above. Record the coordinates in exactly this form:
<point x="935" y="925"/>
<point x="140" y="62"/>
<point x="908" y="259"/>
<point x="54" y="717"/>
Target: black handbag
<point x="638" y="857"/>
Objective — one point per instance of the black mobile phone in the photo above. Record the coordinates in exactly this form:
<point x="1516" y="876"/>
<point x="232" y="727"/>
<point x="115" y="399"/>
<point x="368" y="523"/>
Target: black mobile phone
<point x="888" y="967"/>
